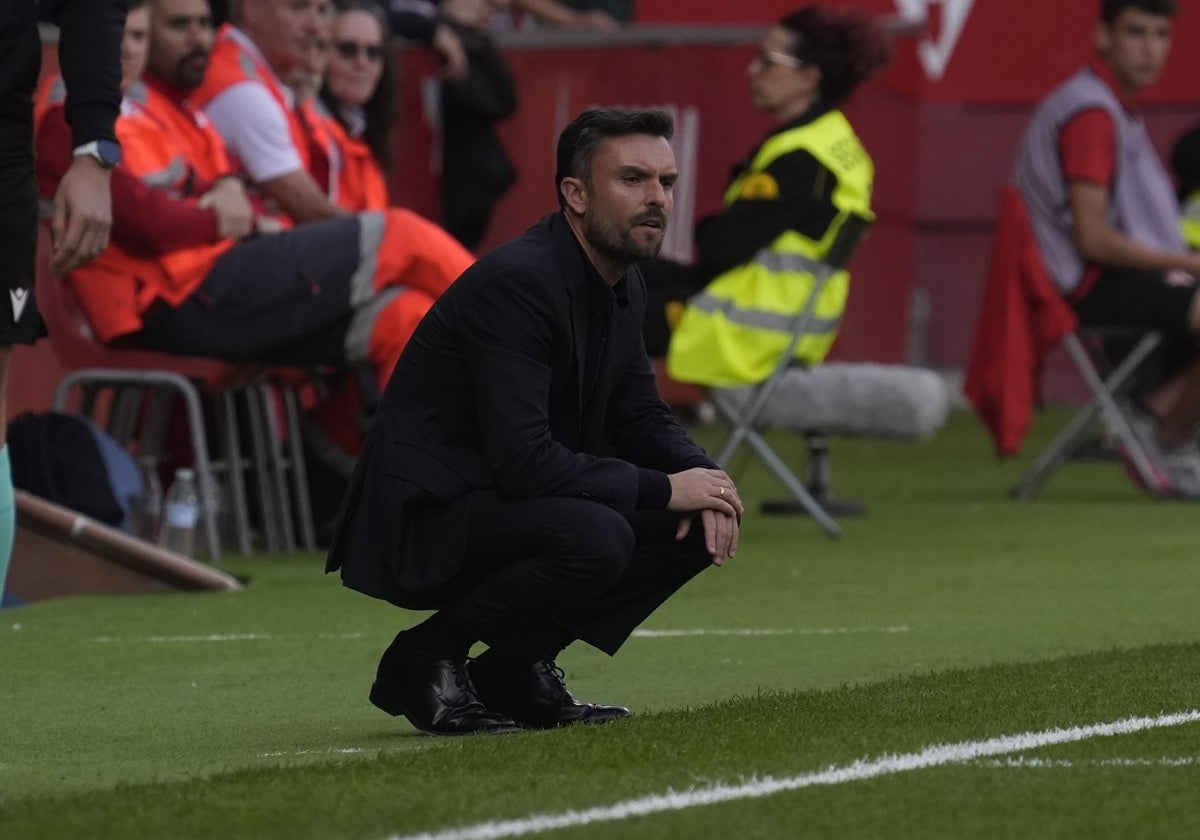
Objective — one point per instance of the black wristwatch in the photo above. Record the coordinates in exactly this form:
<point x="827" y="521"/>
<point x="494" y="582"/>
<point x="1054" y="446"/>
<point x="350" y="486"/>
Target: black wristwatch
<point x="106" y="152"/>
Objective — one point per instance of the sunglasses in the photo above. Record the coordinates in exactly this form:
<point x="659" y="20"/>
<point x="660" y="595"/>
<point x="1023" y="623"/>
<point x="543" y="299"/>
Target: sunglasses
<point x="765" y="57"/>
<point x="349" y="50"/>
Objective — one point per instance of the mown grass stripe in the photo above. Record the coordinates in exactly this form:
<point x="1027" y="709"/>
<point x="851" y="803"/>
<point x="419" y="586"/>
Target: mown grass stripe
<point x="859" y="770"/>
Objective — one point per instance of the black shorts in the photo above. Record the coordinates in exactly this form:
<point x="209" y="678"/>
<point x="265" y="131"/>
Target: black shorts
<point x="21" y="51"/>
<point x="1129" y="298"/>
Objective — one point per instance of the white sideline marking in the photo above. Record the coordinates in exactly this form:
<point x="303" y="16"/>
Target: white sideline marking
<point x="217" y="637"/>
<point x="339" y="750"/>
<point x="859" y="770"/>
<point x="801" y="631"/>
<point x="221" y="637"/>
<point x="1025" y="761"/>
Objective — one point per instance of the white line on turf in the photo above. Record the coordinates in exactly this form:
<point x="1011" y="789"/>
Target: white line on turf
<point x="788" y="631"/>
<point x="216" y="637"/>
<point x="859" y="770"/>
<point x="1026" y="761"/>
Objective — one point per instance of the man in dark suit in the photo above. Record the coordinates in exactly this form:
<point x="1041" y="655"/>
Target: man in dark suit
<point x="523" y="478"/>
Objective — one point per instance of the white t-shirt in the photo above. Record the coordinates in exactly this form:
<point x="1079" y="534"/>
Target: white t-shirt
<point x="254" y="127"/>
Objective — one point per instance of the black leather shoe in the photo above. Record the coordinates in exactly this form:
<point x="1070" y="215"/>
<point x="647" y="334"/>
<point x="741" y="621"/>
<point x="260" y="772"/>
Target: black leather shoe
<point x="436" y="697"/>
<point x="535" y="695"/>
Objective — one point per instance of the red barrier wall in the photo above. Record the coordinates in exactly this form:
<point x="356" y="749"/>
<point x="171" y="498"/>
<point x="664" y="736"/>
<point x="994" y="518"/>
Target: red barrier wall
<point x="941" y="123"/>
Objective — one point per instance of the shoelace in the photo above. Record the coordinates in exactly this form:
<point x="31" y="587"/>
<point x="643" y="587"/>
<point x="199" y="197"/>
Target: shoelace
<point x="551" y="669"/>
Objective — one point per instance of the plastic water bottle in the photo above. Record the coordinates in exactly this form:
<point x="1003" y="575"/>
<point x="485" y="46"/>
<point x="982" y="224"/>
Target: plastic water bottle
<point x="148" y="510"/>
<point x="181" y="513"/>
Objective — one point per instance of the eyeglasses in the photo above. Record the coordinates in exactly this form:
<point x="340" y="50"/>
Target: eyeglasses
<point x="765" y="57"/>
<point x="350" y="50"/>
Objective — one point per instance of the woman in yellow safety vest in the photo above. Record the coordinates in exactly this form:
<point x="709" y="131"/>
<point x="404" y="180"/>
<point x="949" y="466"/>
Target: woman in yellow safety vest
<point x="783" y="209"/>
<point x="1185" y="160"/>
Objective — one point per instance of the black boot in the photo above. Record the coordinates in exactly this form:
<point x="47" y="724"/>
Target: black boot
<point x="534" y="694"/>
<point x="436" y="696"/>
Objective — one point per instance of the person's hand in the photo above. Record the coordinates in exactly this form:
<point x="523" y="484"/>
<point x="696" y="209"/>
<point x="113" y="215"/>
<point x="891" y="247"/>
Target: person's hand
<point x="701" y="488"/>
<point x="476" y="14"/>
<point x="228" y="200"/>
<point x="267" y="225"/>
<point x="720" y="534"/>
<point x="454" y="57"/>
<point x="82" y="215"/>
<point x="597" y="20"/>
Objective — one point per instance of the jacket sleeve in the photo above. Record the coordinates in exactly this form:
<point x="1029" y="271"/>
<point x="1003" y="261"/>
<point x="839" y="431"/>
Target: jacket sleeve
<point x="511" y="330"/>
<point x="801" y="200"/>
<point x="89" y="53"/>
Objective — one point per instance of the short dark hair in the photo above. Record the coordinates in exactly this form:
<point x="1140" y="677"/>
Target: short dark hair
<point x="578" y="141"/>
<point x="1109" y="9"/>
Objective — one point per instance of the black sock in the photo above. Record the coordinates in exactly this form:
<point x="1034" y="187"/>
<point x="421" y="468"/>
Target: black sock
<point x="437" y="637"/>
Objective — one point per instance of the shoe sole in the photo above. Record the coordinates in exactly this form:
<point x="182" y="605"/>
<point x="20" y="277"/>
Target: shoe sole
<point x="386" y="701"/>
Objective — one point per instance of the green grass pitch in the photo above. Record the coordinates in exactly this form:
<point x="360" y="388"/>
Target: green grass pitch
<point x="863" y="687"/>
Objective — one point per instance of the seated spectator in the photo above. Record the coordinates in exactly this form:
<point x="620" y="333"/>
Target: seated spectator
<point x="246" y="95"/>
<point x="476" y="169"/>
<point x="358" y="95"/>
<point x="193" y="269"/>
<point x="783" y="208"/>
<point x="1109" y="234"/>
<point x="52" y="92"/>
<point x="1185" y="160"/>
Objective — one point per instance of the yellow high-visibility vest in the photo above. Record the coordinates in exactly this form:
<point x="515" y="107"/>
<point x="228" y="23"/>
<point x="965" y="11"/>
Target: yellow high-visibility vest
<point x="734" y="331"/>
<point x="1190" y="223"/>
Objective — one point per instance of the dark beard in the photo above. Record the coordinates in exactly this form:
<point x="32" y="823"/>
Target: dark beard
<point x="619" y="245"/>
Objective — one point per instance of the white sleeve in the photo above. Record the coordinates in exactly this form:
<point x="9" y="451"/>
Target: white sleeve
<point x="255" y="130"/>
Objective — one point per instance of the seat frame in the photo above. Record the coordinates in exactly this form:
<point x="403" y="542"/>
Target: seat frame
<point x="1107" y="384"/>
<point x="744" y="417"/>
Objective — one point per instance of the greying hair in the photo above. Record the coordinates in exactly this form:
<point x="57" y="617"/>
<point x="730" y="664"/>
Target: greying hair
<point x="578" y="141"/>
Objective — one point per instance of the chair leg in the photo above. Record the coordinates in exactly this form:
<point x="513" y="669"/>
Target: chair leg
<point x="235" y="468"/>
<point x="818" y="483"/>
<point x="259" y="446"/>
<point x="1072" y="435"/>
<point x="295" y="443"/>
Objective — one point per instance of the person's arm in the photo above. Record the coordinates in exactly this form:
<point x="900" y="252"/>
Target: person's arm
<point x="794" y="193"/>
<point x="560" y="14"/>
<point x="145" y="220"/>
<point x="257" y="134"/>
<point x="300" y="197"/>
<point x="1087" y="149"/>
<point x="417" y="20"/>
<point x="89" y="49"/>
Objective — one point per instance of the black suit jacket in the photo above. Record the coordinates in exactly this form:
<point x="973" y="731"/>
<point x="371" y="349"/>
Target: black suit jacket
<point x="489" y="395"/>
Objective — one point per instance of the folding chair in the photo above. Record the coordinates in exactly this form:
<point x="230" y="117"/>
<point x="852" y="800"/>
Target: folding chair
<point x="1022" y="317"/>
<point x="131" y="391"/>
<point x="743" y="409"/>
<point x="1107" y="384"/>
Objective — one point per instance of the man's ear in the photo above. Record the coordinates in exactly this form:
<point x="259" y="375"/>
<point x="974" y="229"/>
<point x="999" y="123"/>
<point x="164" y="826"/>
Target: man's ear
<point x="574" y="193"/>
<point x="1102" y="37"/>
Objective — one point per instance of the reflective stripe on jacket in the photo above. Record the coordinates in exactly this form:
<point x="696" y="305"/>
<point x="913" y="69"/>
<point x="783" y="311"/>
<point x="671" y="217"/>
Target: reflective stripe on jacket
<point x="735" y="330"/>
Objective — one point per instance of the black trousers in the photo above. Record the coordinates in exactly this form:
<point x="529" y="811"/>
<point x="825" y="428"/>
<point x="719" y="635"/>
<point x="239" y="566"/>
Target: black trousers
<point x="541" y="573"/>
<point x="285" y="298"/>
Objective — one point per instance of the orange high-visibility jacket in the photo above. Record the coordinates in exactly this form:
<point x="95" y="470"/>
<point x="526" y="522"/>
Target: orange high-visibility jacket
<point x="172" y="149"/>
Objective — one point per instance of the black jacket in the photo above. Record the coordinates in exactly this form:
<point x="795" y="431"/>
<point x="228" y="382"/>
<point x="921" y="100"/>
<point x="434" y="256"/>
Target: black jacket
<point x="489" y="394"/>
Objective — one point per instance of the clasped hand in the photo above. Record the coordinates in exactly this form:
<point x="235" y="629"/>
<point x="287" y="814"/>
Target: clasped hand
<point x="712" y="493"/>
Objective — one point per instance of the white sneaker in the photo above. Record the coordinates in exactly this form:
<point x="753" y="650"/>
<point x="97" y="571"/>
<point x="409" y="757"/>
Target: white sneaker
<point x="1145" y="427"/>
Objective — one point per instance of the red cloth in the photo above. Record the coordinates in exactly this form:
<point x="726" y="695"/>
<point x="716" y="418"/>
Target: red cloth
<point x="1022" y="317"/>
